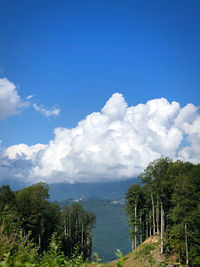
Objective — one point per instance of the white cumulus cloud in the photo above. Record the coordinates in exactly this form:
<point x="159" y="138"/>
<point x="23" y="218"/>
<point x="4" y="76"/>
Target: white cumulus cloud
<point x="47" y="112"/>
<point x="10" y="101"/>
<point x="29" y="152"/>
<point x="116" y="143"/>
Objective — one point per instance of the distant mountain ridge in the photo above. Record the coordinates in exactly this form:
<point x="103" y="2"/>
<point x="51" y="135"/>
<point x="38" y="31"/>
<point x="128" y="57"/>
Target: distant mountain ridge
<point x="106" y="190"/>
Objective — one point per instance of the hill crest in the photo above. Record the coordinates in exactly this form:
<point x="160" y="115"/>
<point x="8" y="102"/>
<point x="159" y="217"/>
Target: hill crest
<point x="148" y="254"/>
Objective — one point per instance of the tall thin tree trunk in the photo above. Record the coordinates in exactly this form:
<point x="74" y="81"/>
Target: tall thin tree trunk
<point x="76" y="230"/>
<point x="147" y="230"/>
<point x="140" y="229"/>
<point x="40" y="242"/>
<point x="153" y="214"/>
<point x="162" y="227"/>
<point x="65" y="229"/>
<point x="150" y="229"/>
<point x="135" y="225"/>
<point x="132" y="244"/>
<point x="157" y="218"/>
<point x="40" y="234"/>
<point x="65" y="233"/>
<point x="69" y="227"/>
<point x="82" y="234"/>
<point x="68" y="234"/>
<point x="186" y="246"/>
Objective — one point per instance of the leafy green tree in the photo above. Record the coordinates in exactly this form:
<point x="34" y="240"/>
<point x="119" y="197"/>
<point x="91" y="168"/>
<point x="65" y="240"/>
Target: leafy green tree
<point x="37" y="214"/>
<point x="185" y="211"/>
<point x="171" y="196"/>
<point x="155" y="175"/>
<point x="77" y="230"/>
<point x="39" y="220"/>
<point x="135" y="209"/>
<point x="8" y="210"/>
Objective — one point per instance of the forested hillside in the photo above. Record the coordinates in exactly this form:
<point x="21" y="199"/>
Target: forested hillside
<point x="168" y="204"/>
<point x="111" y="229"/>
<point x="29" y="223"/>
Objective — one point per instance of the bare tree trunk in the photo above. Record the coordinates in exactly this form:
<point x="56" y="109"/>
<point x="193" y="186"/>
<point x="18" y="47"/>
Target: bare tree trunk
<point x="150" y="229"/>
<point x="69" y="227"/>
<point x="153" y="214"/>
<point x="76" y="230"/>
<point x="40" y="242"/>
<point x="65" y="229"/>
<point x="147" y="230"/>
<point x="82" y="234"/>
<point x="186" y="246"/>
<point x="140" y="229"/>
<point x="132" y="244"/>
<point x="40" y="234"/>
<point x="68" y="233"/>
<point x="135" y="225"/>
<point x="65" y="232"/>
<point x="157" y="218"/>
<point x="162" y="227"/>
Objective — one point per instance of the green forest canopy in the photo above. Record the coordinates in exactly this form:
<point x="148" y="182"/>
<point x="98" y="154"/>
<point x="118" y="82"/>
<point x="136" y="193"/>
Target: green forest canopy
<point x="30" y="211"/>
<point x="168" y="204"/>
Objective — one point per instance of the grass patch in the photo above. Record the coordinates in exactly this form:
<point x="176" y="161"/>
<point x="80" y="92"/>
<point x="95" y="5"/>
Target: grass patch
<point x="144" y="253"/>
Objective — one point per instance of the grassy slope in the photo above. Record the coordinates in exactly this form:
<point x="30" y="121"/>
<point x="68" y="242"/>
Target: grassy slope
<point x="147" y="254"/>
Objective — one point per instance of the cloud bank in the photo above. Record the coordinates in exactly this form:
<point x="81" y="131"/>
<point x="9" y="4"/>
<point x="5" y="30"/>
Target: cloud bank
<point x="114" y="144"/>
<point x="10" y="102"/>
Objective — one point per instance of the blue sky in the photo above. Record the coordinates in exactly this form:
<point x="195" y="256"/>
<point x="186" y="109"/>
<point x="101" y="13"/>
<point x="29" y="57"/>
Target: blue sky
<point x="74" y="55"/>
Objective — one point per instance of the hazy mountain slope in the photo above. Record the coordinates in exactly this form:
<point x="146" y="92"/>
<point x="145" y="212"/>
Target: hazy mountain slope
<point x="108" y="190"/>
<point x="111" y="229"/>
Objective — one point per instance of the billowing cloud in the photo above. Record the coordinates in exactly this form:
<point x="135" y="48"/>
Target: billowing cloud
<point x="10" y="101"/>
<point x="47" y="112"/>
<point x="29" y="152"/>
<point x="116" y="143"/>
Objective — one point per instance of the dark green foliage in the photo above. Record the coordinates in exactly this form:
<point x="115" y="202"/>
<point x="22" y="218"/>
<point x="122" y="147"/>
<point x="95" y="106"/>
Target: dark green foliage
<point x="174" y="186"/>
<point x="7" y="197"/>
<point x="8" y="209"/>
<point x="33" y="208"/>
<point x="28" y="214"/>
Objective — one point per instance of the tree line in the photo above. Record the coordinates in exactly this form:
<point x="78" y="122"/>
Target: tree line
<point x="167" y="203"/>
<point x="30" y="212"/>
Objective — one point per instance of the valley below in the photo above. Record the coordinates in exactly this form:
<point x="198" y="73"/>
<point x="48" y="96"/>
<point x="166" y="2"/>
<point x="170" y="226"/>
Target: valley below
<point x="106" y="201"/>
<point x="111" y="228"/>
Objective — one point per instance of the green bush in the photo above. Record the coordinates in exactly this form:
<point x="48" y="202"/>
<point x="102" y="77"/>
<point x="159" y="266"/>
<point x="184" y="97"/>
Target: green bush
<point x="6" y="242"/>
